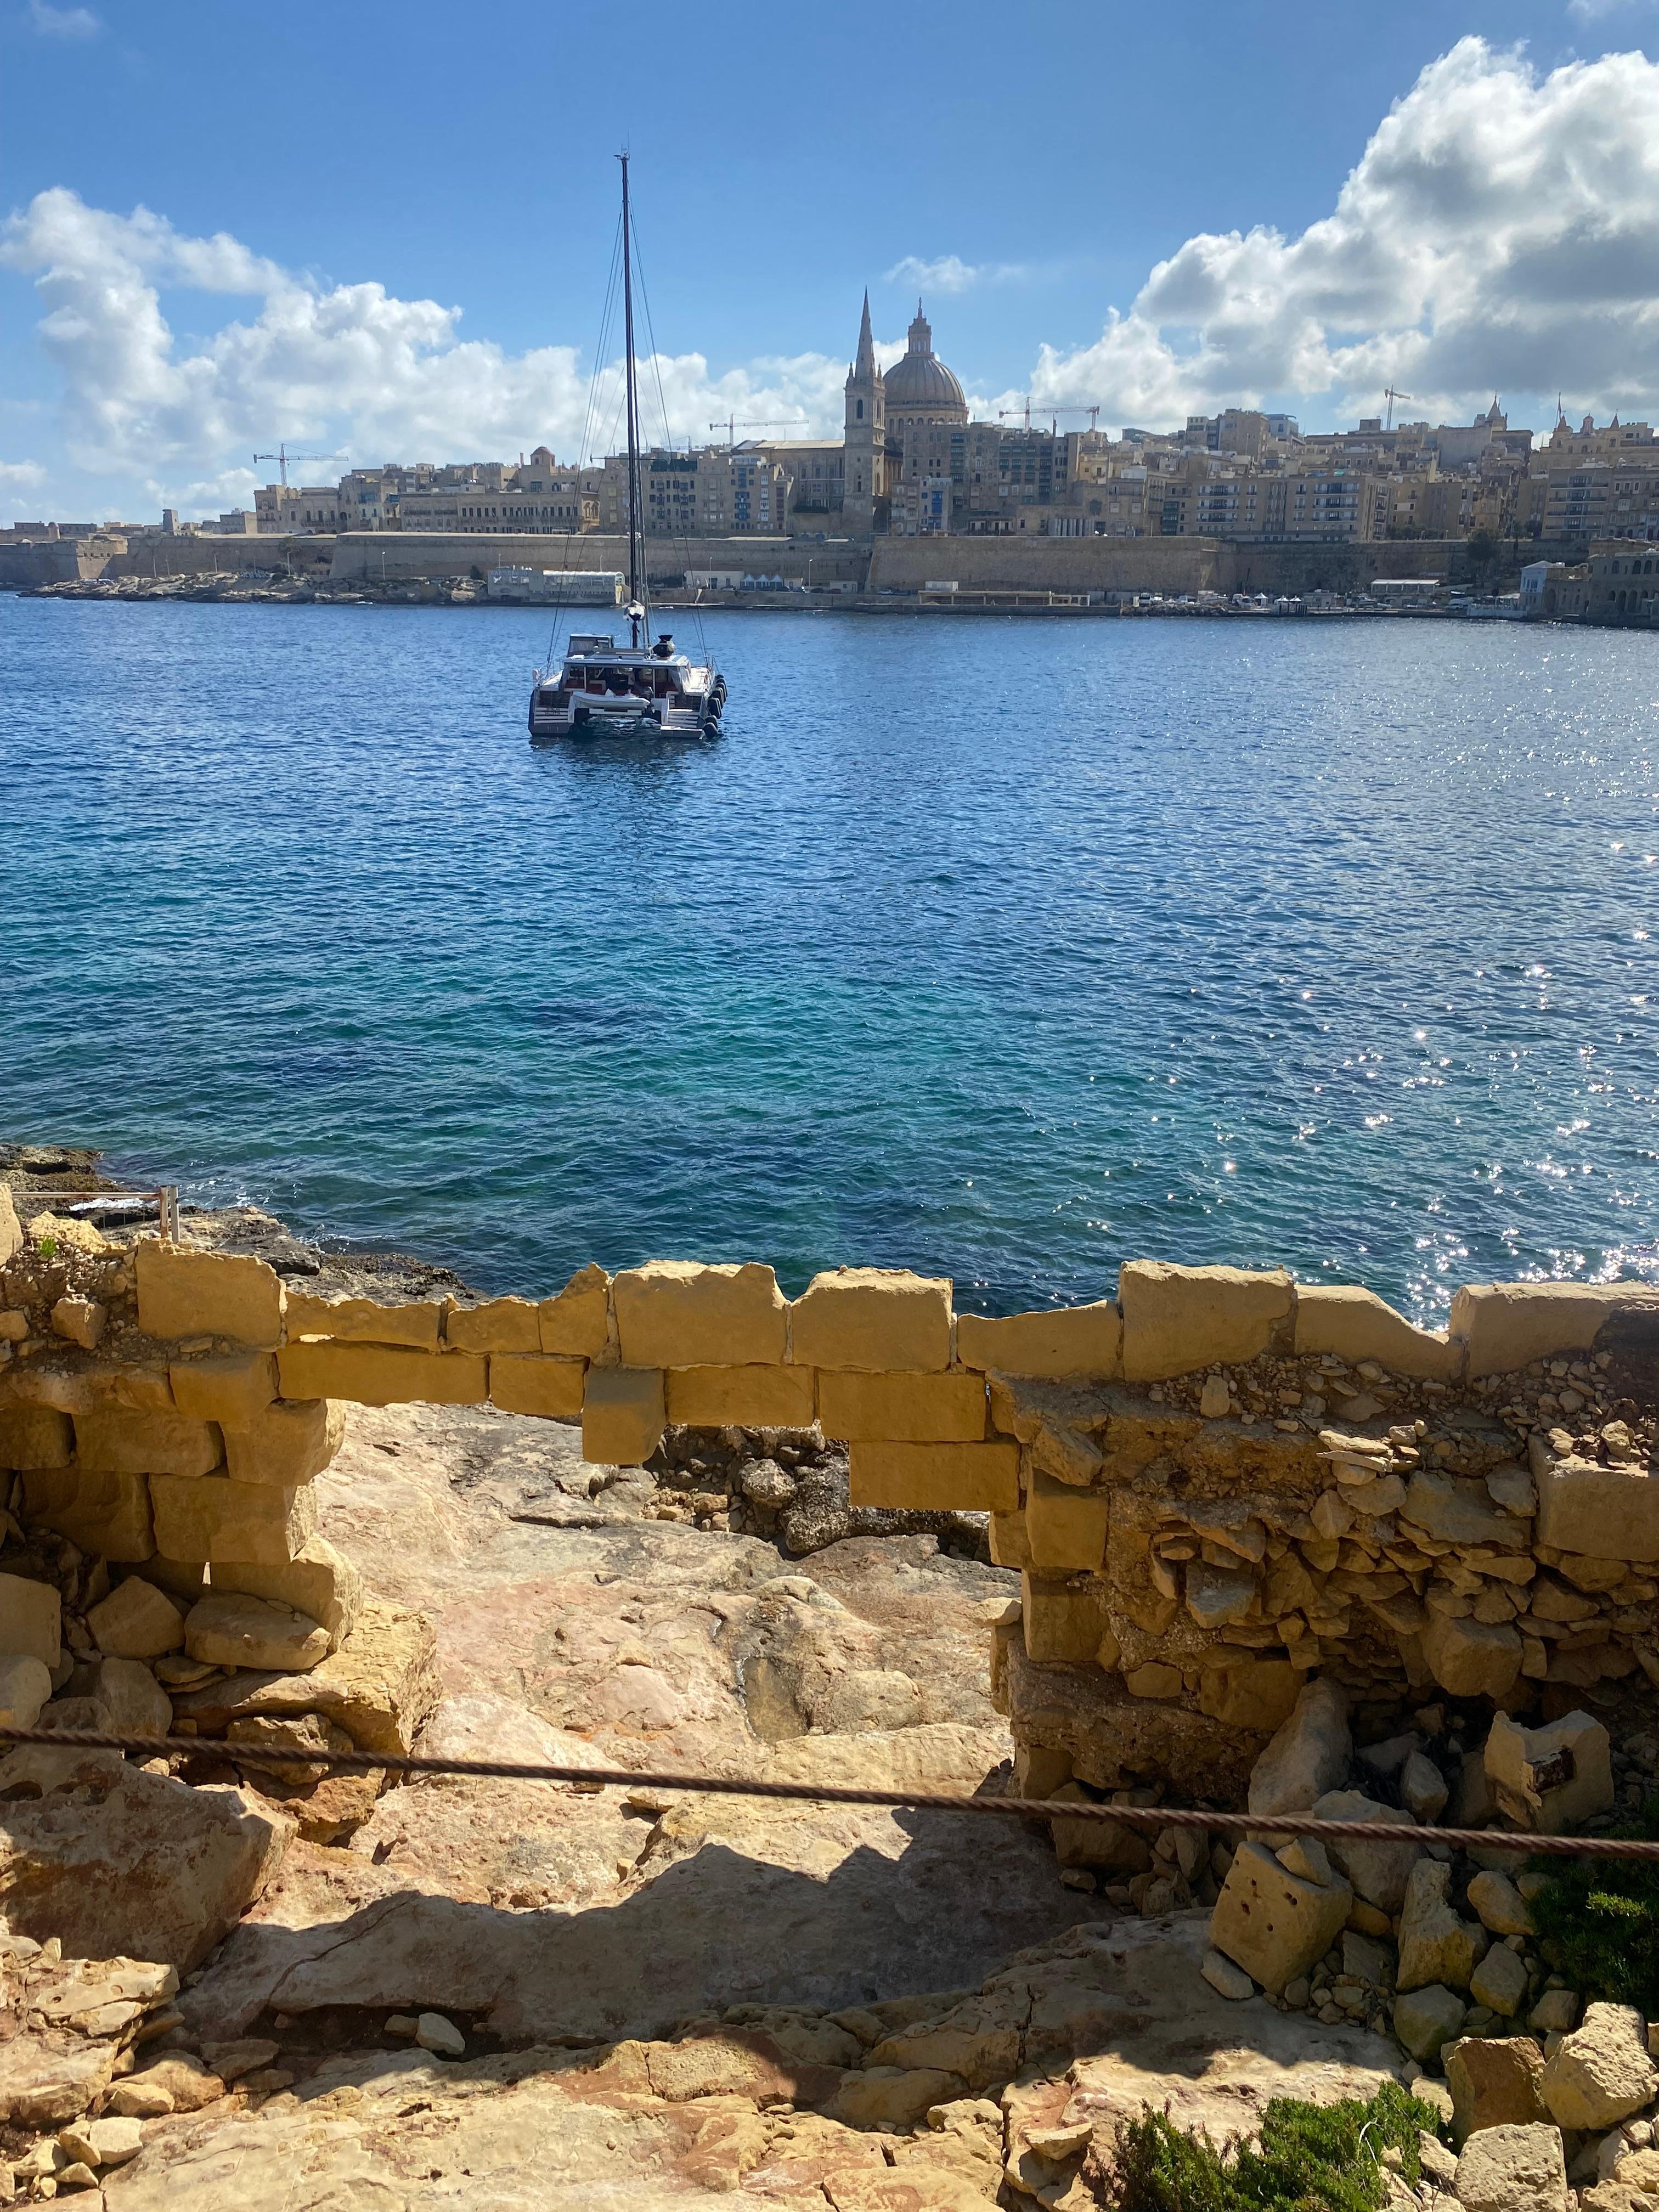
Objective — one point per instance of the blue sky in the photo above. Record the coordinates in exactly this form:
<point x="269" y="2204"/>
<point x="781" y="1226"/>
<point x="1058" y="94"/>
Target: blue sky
<point x="327" y="185"/>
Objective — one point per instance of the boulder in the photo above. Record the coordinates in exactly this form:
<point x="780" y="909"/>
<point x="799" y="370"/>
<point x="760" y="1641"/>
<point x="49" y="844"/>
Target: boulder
<point x="46" y="2079"/>
<point x="318" y="1580"/>
<point x="135" y="1701"/>
<point x="1600" y="2073"/>
<point x="1550" y="1780"/>
<point x="1378" y="1872"/>
<point x="1513" y="2169"/>
<point x="136" y="1621"/>
<point x="117" y="1861"/>
<point x="1436" y="1944"/>
<point x="380" y="1686"/>
<point x="1500" y="1905"/>
<point x="1309" y="1754"/>
<point x="1423" y="1788"/>
<point x="1495" y="2081"/>
<point x="236" y="1631"/>
<point x="1426" y="2019"/>
<point x="1499" y="1982"/>
<point x="24" y="1685"/>
<point x="1472" y="1658"/>
<point x="1273" y="1923"/>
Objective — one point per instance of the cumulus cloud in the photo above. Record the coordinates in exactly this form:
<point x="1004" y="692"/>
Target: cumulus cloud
<point x="63" y="22"/>
<point x="950" y="273"/>
<point x="19" y="475"/>
<point x="351" y="367"/>
<point x="1500" y="232"/>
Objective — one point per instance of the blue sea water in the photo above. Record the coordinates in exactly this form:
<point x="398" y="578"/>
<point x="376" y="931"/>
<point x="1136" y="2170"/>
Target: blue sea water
<point x="1003" y="949"/>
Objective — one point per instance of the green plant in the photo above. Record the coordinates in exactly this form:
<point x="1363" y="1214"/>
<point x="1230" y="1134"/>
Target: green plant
<point x="1307" y="2158"/>
<point x="1598" y="1920"/>
<point x="47" y="1248"/>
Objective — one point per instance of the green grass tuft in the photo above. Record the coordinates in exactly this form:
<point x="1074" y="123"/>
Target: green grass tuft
<point x="1598" y="1921"/>
<point x="1309" y="2158"/>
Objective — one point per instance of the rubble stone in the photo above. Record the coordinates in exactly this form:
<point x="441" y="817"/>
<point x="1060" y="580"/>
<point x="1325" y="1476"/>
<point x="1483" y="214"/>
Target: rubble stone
<point x="1600" y="2073"/>
<point x="1495" y="2081"/>
<point x="31" y="1614"/>
<point x="1378" y="1872"/>
<point x="229" y="1629"/>
<point x="1426" y="2019"/>
<point x="1273" y="1923"/>
<point x="1552" y="1778"/>
<point x="1512" y="2169"/>
<point x="136" y="1621"/>
<point x="1308" y="1756"/>
<point x="1435" y="1945"/>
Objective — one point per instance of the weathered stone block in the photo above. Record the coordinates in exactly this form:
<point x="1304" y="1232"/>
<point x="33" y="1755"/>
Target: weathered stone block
<point x="1496" y="2082"/>
<point x="624" y="1412"/>
<point x="741" y="1397"/>
<point x="1178" y="1319"/>
<point x="1460" y="1511"/>
<point x="1471" y="1658"/>
<point x="1550" y="1780"/>
<point x="136" y="1621"/>
<point x="11" y="1229"/>
<point x="1114" y="1850"/>
<point x="182" y="1292"/>
<point x="1010" y="1546"/>
<point x="113" y="1442"/>
<point x="877" y="1318"/>
<point x="1612" y="1512"/>
<point x="233" y="1389"/>
<point x="1379" y="1872"/>
<point x="859" y="1408"/>
<point x="1512" y="2169"/>
<point x="1247" y="1692"/>
<point x="1069" y="1340"/>
<point x="382" y="1375"/>
<point x="1602" y="2072"/>
<point x="35" y="1435"/>
<point x="105" y="1514"/>
<point x="1273" y="1923"/>
<point x="937" y="1477"/>
<point x="1063" y="1625"/>
<point x="31" y="1617"/>
<point x="576" y="1323"/>
<point x="288" y="1442"/>
<point x="1309" y="1754"/>
<point x="366" y="1321"/>
<point x="1436" y="1944"/>
<point x="500" y="1325"/>
<point x="380" y="1686"/>
<point x="1064" y="1528"/>
<point x="1356" y="1324"/>
<point x="231" y="1629"/>
<point x="1427" y="2020"/>
<point x="318" y="1580"/>
<point x="213" y="1518"/>
<point x="676" y="1313"/>
<point x="25" y="1687"/>
<point x="536" y="1383"/>
<point x="1507" y="1325"/>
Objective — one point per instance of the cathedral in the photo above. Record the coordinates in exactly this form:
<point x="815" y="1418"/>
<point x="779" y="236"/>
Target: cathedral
<point x="895" y="466"/>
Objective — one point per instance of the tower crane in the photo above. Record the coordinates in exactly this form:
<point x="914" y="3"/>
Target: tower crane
<point x="282" y="456"/>
<point x="732" y="425"/>
<point x="1391" y="395"/>
<point x="1024" y="412"/>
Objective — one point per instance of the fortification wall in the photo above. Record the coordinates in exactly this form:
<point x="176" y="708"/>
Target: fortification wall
<point x="368" y="556"/>
<point x="1046" y="564"/>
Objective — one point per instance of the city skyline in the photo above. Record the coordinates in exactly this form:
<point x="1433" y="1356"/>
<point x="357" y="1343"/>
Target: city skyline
<point x="1491" y="231"/>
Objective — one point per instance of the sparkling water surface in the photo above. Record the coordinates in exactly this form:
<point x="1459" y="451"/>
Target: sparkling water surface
<point x="1004" y="949"/>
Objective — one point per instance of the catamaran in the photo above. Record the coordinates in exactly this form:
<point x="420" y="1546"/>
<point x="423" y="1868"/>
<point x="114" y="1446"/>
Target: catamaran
<point x="647" y="687"/>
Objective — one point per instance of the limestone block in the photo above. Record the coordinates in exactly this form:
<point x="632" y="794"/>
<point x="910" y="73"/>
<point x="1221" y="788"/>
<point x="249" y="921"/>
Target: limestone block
<point x="1356" y="1324"/>
<point x="25" y="1687"/>
<point x="106" y="1514"/>
<point x="381" y="1685"/>
<point x="1512" y="2169"/>
<point x="1010" y="1547"/>
<point x="318" y="1580"/>
<point x="921" y="1409"/>
<point x="1070" y="1341"/>
<point x="1178" y="1319"/>
<point x="31" y="1616"/>
<point x="1273" y="1923"/>
<point x="623" y="1415"/>
<point x="1426" y="2019"/>
<point x="11" y="1229"/>
<point x="1308" y="1756"/>
<point x="113" y="1443"/>
<point x="1500" y="1905"/>
<point x="536" y="1383"/>
<point x="1247" y="1692"/>
<point x="34" y="1435"/>
<point x="1221" y="1597"/>
<point x="1064" y="1528"/>
<point x="136" y="1621"/>
<point x="1458" y="1511"/>
<point x="1471" y="1658"/>
<point x="1550" y="1780"/>
<point x="1602" y="2072"/>
<point x="288" y="1442"/>
<point x="1117" y="1851"/>
<point x="1423" y="1788"/>
<point x="1507" y="1325"/>
<point x="499" y="1325"/>
<point x="382" y="1375"/>
<point x="1496" y="2082"/>
<point x="214" y="1518"/>
<point x="182" y="1292"/>
<point x="882" y="1319"/>
<point x="937" y="1477"/>
<point x="1435" y="1945"/>
<point x="366" y="1321"/>
<point x="1063" y="1625"/>
<point x="741" y="1397"/>
<point x="576" y="1323"/>
<point x="1611" y="1512"/>
<point x="1379" y="1872"/>
<point x="678" y="1313"/>
<point x="230" y="1628"/>
<point x="233" y="1389"/>
<point x="121" y="1697"/>
<point x="1499" y="1982"/>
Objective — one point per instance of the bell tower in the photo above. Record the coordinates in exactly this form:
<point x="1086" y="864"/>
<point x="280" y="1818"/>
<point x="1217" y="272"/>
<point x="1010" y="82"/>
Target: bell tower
<point x="865" y="439"/>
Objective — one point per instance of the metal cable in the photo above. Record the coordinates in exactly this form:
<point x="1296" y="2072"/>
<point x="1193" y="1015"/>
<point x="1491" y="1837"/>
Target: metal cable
<point x="1147" y="1817"/>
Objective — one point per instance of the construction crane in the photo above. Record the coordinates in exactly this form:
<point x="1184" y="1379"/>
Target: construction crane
<point x="732" y="426"/>
<point x="1055" y="414"/>
<point x="1391" y="395"/>
<point x="282" y="456"/>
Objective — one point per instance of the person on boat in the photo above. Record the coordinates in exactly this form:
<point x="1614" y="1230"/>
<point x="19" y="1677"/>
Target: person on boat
<point x="663" y="648"/>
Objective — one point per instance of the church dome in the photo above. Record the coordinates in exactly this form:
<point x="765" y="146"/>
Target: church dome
<point x="920" y="379"/>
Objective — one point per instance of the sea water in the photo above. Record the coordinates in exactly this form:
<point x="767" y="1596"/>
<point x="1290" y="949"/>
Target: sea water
<point x="1004" y="949"/>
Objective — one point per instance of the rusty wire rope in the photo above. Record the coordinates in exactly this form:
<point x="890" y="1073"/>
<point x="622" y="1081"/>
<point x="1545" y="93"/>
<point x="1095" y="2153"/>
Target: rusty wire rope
<point x="1148" y="1818"/>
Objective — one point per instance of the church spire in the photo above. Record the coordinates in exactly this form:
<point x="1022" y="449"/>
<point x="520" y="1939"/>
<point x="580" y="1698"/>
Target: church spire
<point x="864" y="367"/>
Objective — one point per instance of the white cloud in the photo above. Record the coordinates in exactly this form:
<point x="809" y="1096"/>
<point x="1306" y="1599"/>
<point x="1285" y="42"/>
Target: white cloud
<point x="352" y="366"/>
<point x="1596" y="11"/>
<point x="21" y="473"/>
<point x="63" y="22"/>
<point x="950" y="273"/>
<point x="1500" y="232"/>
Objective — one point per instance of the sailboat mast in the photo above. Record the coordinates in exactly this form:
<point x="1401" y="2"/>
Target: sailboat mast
<point x="635" y="520"/>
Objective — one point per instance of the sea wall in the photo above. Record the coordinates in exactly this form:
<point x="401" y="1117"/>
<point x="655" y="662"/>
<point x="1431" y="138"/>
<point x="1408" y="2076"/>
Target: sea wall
<point x="394" y="556"/>
<point x="1216" y="1486"/>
